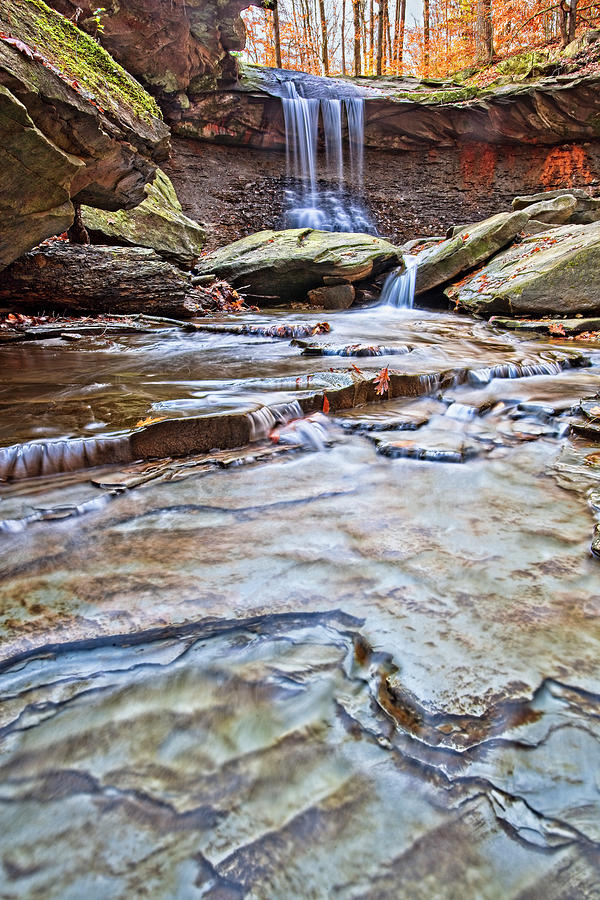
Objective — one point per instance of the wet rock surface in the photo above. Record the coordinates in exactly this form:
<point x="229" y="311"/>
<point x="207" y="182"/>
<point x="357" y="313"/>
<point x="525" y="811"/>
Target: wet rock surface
<point x="247" y="703"/>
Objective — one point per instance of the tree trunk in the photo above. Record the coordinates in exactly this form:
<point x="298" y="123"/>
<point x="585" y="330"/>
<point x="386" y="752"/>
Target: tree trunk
<point x="426" y="42"/>
<point x="399" y="34"/>
<point x="380" y="35"/>
<point x="356" y="9"/>
<point x="484" y="48"/>
<point x="324" y="48"/>
<point x="343" y="37"/>
<point x="388" y="33"/>
<point x="277" y="36"/>
<point x="572" y="19"/>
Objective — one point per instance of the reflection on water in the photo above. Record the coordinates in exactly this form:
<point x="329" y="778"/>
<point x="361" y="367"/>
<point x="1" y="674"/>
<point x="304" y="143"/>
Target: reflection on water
<point x="358" y="671"/>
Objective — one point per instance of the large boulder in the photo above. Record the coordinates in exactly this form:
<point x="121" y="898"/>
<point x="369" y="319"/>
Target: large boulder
<point x="470" y="247"/>
<point x="283" y="266"/>
<point x="158" y="223"/>
<point x="99" y="279"/>
<point x="556" y="272"/>
<point x="75" y="127"/>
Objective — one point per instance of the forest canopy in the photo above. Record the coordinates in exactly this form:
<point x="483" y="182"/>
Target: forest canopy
<point x="366" y="37"/>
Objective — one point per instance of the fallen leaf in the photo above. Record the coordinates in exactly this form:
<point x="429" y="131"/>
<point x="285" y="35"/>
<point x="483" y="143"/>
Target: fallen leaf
<point x="149" y="421"/>
<point x="382" y="382"/>
<point x="325" y="404"/>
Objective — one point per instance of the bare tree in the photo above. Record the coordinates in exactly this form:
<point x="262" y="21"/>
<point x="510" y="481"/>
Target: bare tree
<point x="426" y="40"/>
<point x="277" y="35"/>
<point x="324" y="48"/>
<point x="343" y="37"/>
<point x="356" y="8"/>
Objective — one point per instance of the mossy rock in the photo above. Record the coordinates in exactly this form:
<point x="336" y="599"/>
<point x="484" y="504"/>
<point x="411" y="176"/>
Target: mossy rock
<point x="77" y="56"/>
<point x="471" y="246"/>
<point x="528" y="63"/>
<point x="553" y="273"/>
<point x="158" y="223"/>
<point x="283" y="266"/>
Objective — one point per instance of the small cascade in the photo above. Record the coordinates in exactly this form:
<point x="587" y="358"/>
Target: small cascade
<point x="264" y="419"/>
<point x="399" y="287"/>
<point x="53" y="457"/>
<point x="308" y="206"/>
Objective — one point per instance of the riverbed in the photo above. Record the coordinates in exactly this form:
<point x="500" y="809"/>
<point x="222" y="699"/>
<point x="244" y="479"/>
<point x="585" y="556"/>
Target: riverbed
<point x="357" y="657"/>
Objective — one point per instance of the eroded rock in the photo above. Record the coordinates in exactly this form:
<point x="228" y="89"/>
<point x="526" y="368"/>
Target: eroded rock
<point x="471" y="246"/>
<point x="78" y="127"/>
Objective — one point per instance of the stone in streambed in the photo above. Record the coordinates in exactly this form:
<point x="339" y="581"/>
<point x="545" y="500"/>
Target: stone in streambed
<point x="554" y="273"/>
<point x="332" y="296"/>
<point x="470" y="247"/>
<point x="158" y="223"/>
<point x="283" y="266"/>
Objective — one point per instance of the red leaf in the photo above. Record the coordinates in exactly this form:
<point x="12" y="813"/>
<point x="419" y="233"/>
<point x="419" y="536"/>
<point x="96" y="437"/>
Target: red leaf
<point x="325" y="404"/>
<point x="382" y="382"/>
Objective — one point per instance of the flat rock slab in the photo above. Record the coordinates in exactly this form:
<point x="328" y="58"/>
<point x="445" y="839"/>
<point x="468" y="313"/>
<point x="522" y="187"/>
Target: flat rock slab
<point x="283" y="266"/>
<point x="557" y="272"/>
<point x="99" y="279"/>
<point x="547" y="326"/>
<point x="470" y="247"/>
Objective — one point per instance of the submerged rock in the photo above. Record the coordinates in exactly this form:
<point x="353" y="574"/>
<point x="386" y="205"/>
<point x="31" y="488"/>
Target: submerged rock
<point x="557" y="272"/>
<point x="158" y="223"/>
<point x="99" y="279"/>
<point x="471" y="246"/>
<point x="282" y="266"/>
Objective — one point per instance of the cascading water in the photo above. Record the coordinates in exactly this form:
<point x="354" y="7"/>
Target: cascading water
<point x="308" y="205"/>
<point x="399" y="287"/>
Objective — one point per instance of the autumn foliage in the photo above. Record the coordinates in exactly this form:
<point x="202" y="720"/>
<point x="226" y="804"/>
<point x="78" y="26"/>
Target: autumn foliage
<point x="365" y="37"/>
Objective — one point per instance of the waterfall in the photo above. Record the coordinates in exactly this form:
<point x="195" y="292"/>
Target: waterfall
<point x="399" y="287"/>
<point x="309" y="206"/>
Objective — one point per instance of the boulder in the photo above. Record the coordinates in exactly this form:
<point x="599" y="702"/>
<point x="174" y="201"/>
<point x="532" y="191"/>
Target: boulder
<point x="75" y="127"/>
<point x="557" y="211"/>
<point x="333" y="296"/>
<point x="470" y="247"/>
<point x="554" y="273"/>
<point x="99" y="279"/>
<point x="531" y="199"/>
<point x="158" y="223"/>
<point x="283" y="266"/>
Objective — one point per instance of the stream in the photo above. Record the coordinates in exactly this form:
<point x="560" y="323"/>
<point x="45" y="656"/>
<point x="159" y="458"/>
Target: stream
<point x="357" y="657"/>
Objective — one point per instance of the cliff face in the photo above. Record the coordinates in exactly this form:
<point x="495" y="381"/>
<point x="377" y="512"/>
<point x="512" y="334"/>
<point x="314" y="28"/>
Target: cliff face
<point x="75" y="127"/>
<point x="404" y="113"/>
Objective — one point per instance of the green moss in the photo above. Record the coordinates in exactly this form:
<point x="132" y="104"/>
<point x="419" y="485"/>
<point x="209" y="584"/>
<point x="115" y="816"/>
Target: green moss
<point x="452" y="95"/>
<point x="78" y="56"/>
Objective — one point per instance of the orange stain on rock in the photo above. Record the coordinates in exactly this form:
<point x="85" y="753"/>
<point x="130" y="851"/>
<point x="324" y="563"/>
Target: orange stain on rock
<point x="566" y="167"/>
<point x="478" y="166"/>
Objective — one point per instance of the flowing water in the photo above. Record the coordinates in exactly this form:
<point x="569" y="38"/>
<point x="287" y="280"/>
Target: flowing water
<point x="356" y="657"/>
<point x="310" y="204"/>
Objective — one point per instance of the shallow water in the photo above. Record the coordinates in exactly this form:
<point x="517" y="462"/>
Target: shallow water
<point x="369" y="670"/>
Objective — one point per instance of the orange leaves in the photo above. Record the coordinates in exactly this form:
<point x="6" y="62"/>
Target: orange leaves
<point x="557" y="328"/>
<point x="382" y="382"/>
<point x="325" y="404"/>
<point x="149" y="421"/>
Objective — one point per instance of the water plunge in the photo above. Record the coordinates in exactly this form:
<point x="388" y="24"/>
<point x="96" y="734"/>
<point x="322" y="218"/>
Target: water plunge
<point x="399" y="287"/>
<point x="308" y="205"/>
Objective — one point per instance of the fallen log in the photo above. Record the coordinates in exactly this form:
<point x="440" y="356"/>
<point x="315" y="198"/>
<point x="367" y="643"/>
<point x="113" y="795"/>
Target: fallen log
<point x="99" y="279"/>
